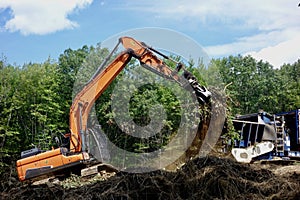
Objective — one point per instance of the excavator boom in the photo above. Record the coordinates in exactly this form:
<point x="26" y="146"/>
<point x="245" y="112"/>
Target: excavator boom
<point x="35" y="164"/>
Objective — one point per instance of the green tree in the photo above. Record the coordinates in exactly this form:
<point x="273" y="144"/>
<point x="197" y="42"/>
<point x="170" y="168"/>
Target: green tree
<point x="251" y="85"/>
<point x="68" y="65"/>
<point x="9" y="107"/>
<point x="29" y="106"/>
<point x="289" y="76"/>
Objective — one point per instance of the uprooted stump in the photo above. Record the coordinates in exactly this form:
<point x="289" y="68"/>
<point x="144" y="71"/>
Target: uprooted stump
<point x="201" y="178"/>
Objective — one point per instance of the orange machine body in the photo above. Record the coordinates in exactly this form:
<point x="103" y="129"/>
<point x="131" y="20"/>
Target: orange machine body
<point x="38" y="164"/>
<point x="49" y="162"/>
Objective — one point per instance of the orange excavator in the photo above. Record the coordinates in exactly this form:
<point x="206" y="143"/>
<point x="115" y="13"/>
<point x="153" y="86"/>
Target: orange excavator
<point x="35" y="164"/>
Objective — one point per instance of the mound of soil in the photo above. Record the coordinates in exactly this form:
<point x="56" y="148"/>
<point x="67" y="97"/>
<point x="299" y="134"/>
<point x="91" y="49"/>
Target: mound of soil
<point x="201" y="178"/>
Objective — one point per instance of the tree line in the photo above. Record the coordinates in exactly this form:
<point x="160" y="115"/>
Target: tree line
<point x="35" y="98"/>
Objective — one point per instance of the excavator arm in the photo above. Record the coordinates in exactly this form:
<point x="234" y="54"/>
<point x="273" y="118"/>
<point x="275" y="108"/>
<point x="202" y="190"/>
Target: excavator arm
<point x="35" y="164"/>
<point x="85" y="99"/>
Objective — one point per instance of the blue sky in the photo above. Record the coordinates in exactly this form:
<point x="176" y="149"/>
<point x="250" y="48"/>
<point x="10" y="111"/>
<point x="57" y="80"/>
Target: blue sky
<point x="33" y="30"/>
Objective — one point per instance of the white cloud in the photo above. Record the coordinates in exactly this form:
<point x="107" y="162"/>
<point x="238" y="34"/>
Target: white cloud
<point x="266" y="15"/>
<point x="41" y="17"/>
<point x="282" y="53"/>
<point x="253" y="43"/>
<point x="276" y="24"/>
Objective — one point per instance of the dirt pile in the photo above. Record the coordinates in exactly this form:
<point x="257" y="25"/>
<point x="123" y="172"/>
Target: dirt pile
<point x="201" y="178"/>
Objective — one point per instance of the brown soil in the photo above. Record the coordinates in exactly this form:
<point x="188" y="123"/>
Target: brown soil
<point x="201" y="178"/>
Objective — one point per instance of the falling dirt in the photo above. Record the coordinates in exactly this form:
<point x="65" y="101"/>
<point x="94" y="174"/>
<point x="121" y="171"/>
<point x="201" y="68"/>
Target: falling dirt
<point x="201" y="178"/>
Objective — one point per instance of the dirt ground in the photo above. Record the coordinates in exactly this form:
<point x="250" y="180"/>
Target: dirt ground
<point x="201" y="178"/>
